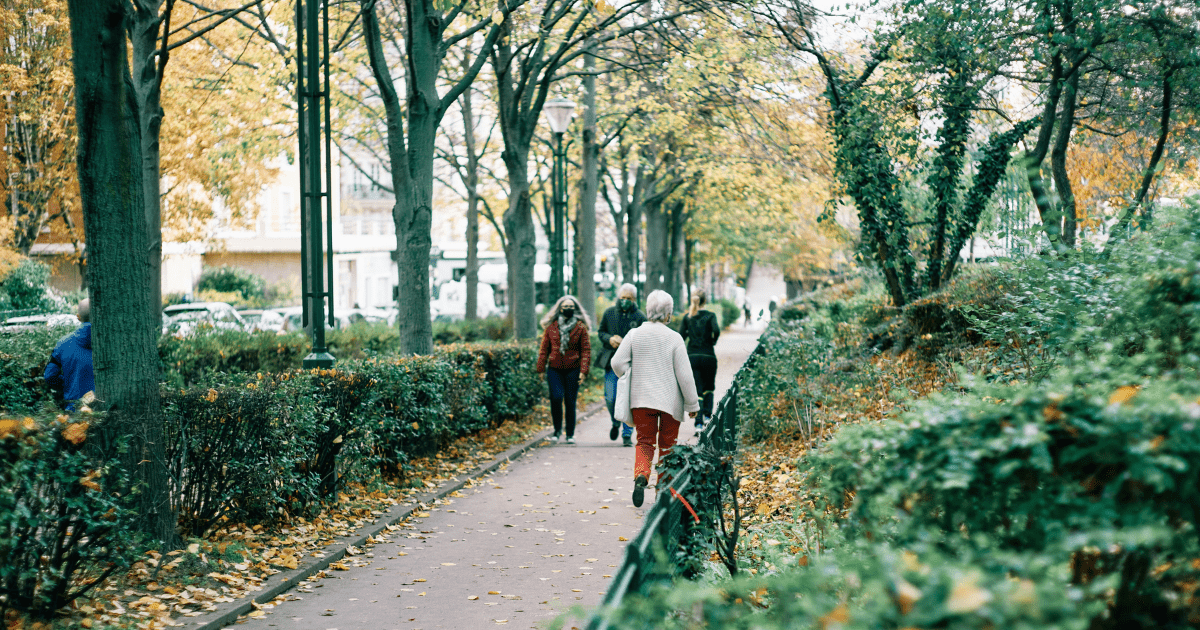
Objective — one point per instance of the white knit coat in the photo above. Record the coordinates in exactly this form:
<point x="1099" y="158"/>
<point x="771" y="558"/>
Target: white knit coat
<point x="662" y="374"/>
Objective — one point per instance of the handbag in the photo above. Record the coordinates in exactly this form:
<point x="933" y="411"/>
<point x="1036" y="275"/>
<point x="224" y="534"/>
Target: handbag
<point x="621" y="410"/>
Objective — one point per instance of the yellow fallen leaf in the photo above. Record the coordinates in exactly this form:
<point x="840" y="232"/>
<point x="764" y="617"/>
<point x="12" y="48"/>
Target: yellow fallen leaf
<point x="419" y="580"/>
<point x="256" y="614"/>
<point x="1123" y="395"/>
<point x="837" y="617"/>
<point x="906" y="596"/>
<point x="76" y="433"/>
<point x="622" y="538"/>
<point x="473" y="597"/>
<point x="967" y="596"/>
<point x="493" y="592"/>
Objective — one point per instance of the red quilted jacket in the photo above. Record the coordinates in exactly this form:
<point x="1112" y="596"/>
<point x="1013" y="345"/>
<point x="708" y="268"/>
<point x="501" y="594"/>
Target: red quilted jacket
<point x="578" y="353"/>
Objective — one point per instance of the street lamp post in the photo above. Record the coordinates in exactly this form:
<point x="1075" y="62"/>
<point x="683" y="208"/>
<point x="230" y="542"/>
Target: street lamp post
<point x="312" y="95"/>
<point x="558" y="114"/>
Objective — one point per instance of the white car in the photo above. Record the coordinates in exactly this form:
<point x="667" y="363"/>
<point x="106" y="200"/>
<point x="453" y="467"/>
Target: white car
<point x="266" y="320"/>
<point x="28" y="322"/>
<point x="293" y="318"/>
<point x="182" y="319"/>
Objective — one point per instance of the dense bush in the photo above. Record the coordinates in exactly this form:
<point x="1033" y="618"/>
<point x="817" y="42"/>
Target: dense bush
<point x="23" y="359"/>
<point x="192" y="358"/>
<point x="727" y="311"/>
<point x="26" y="287"/>
<point x="229" y="279"/>
<point x="363" y="340"/>
<point x="238" y="451"/>
<point x="248" y="446"/>
<point x="487" y="329"/>
<point x="61" y="531"/>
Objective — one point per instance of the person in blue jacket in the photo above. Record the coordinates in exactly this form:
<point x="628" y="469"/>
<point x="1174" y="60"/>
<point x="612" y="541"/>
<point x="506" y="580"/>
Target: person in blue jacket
<point x="70" y="367"/>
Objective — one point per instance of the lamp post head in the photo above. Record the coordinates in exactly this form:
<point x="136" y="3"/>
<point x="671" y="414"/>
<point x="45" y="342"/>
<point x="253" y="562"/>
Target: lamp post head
<point x="558" y="113"/>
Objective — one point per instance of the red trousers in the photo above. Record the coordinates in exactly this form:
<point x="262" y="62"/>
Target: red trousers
<point x="654" y="427"/>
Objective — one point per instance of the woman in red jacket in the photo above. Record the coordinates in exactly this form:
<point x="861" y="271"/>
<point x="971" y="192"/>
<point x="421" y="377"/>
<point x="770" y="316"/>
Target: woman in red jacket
<point x="565" y="362"/>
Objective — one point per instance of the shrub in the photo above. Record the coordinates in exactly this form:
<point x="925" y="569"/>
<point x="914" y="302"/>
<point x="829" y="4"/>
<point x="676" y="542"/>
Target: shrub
<point x="23" y="358"/>
<point x="1096" y="477"/>
<point x="191" y="359"/>
<point x="62" y="532"/>
<point x="228" y="279"/>
<point x="487" y="329"/>
<point x="727" y="311"/>
<point x="26" y="287"/>
<point x="235" y="451"/>
<point x="363" y="340"/>
<point x="513" y="385"/>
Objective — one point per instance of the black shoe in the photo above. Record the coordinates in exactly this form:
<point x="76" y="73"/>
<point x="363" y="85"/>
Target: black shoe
<point x="616" y="429"/>
<point x="639" y="490"/>
<point x="627" y="441"/>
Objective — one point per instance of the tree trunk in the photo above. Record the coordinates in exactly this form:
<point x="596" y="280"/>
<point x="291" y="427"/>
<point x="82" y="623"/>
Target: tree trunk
<point x="1035" y="157"/>
<point x="147" y="85"/>
<point x="585" y="213"/>
<point x="1058" y="161"/>
<point x="958" y="105"/>
<point x="472" y="184"/>
<point x="659" y="246"/>
<point x="1120" y="230"/>
<point x="522" y="252"/>
<point x="120" y="248"/>
<point x="676" y="261"/>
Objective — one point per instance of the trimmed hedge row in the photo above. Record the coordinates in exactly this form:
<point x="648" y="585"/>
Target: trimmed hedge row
<point x="243" y="447"/>
<point x="258" y="444"/>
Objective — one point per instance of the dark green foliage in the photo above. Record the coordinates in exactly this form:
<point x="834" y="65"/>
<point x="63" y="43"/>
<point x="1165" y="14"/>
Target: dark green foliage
<point x="25" y="287"/>
<point x="191" y="359"/>
<point x="728" y="311"/>
<point x="868" y="586"/>
<point x="363" y="340"/>
<point x="59" y="520"/>
<point x="236" y="451"/>
<point x="488" y="329"/>
<point x="229" y="279"/>
<point x="23" y="359"/>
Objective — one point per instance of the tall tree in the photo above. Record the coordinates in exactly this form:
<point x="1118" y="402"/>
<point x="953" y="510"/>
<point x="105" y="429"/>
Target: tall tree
<point x="121" y="244"/>
<point x="528" y="60"/>
<point x="37" y="165"/>
<point x="412" y="132"/>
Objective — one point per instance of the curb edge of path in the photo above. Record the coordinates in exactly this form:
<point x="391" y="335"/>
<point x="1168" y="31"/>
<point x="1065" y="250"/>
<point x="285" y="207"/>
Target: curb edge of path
<point x="284" y="581"/>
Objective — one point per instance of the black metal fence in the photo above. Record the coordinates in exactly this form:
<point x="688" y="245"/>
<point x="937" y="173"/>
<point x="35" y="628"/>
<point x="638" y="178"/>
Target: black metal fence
<point x="655" y="553"/>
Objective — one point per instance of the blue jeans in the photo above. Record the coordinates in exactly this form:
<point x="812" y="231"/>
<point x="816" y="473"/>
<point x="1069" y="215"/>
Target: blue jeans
<point x="610" y="399"/>
<point x="564" y="388"/>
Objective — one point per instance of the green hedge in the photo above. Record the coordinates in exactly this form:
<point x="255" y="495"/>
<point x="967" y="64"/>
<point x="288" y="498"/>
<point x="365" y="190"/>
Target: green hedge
<point x="252" y="445"/>
<point x="58" y="521"/>
<point x="23" y="359"/>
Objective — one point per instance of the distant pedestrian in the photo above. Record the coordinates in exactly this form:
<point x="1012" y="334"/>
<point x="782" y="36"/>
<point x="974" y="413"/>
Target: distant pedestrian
<point x="661" y="387"/>
<point x="746" y="313"/>
<point x="70" y="372"/>
<point x="565" y="356"/>
<point x="701" y="331"/>
<point x="614" y="326"/>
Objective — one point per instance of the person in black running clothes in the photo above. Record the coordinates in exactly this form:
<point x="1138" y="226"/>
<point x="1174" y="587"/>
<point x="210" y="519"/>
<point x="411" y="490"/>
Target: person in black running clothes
<point x="701" y="331"/>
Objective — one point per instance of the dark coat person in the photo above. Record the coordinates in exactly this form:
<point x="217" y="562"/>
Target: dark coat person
<point x="70" y="368"/>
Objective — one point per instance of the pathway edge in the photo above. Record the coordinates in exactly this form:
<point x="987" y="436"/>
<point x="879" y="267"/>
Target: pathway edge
<point x="282" y="582"/>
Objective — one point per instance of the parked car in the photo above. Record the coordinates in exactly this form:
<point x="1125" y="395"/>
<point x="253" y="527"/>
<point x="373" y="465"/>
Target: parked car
<point x="182" y="319"/>
<point x="27" y="322"/>
<point x="266" y="319"/>
<point x="343" y="318"/>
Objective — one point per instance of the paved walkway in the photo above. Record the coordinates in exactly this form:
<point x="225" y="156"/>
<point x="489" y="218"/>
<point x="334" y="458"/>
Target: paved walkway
<point x="515" y="549"/>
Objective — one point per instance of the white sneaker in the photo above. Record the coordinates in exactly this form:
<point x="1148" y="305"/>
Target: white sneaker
<point x="552" y="438"/>
<point x="570" y="439"/>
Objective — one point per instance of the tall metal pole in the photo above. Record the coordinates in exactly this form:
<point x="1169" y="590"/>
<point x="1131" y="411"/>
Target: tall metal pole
<point x="312" y="97"/>
<point x="558" y="245"/>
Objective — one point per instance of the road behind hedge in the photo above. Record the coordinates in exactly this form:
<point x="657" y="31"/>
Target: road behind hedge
<point x="515" y="549"/>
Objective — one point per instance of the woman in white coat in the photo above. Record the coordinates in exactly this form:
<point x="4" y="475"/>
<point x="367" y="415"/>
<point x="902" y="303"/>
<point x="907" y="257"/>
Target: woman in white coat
<point x="661" y="387"/>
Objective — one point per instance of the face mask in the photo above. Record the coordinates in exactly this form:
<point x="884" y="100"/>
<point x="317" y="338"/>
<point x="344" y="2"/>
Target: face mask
<point x="626" y="304"/>
<point x="568" y="312"/>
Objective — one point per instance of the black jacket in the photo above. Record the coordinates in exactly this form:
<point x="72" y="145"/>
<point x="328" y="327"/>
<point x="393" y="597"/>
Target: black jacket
<point x="615" y="322"/>
<point x="701" y="333"/>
